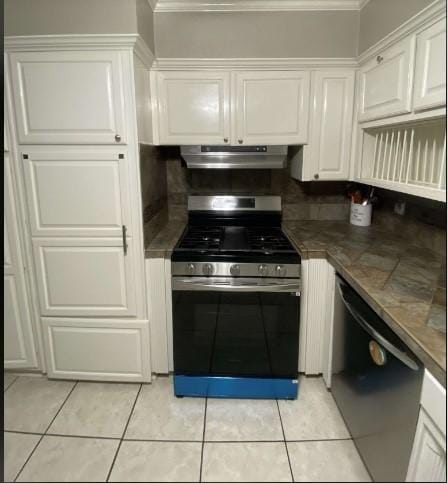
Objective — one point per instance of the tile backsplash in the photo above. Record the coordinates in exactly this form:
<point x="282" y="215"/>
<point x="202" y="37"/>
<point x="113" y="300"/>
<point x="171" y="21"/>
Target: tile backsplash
<point x="301" y="201"/>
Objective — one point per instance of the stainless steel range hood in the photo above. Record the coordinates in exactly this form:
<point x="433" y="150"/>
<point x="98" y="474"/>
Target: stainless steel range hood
<point x="234" y="157"/>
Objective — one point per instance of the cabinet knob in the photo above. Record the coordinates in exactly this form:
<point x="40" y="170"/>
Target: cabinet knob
<point x="316" y="176"/>
<point x="225" y="140"/>
<point x="379" y="59"/>
<point x="240" y="141"/>
<point x="117" y="138"/>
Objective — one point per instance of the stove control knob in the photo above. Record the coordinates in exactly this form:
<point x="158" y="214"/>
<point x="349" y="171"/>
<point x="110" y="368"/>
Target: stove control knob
<point x="190" y="268"/>
<point x="263" y="270"/>
<point x="207" y="269"/>
<point x="235" y="270"/>
<point x="280" y="270"/>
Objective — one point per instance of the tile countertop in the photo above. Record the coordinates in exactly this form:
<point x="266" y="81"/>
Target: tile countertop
<point x="163" y="244"/>
<point x="404" y="284"/>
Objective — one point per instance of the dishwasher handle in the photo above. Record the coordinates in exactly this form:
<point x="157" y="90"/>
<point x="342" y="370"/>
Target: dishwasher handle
<point x="402" y="356"/>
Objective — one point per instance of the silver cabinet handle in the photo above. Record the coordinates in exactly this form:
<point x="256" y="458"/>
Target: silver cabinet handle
<point x="225" y="140"/>
<point x="240" y="141"/>
<point x="124" y="232"/>
<point x="227" y="286"/>
<point x="379" y="59"/>
<point x="316" y="176"/>
<point x="402" y="356"/>
<point x="117" y="138"/>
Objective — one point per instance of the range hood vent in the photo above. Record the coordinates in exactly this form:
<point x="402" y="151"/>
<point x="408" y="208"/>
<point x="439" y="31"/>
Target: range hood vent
<point x="234" y="157"/>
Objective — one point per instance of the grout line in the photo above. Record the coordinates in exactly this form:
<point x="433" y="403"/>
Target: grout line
<point x="317" y="440"/>
<point x="124" y="432"/>
<point x="203" y="440"/>
<point x="136" y="440"/>
<point x="42" y="436"/>
<point x="22" y="432"/>
<point x="10" y="384"/>
<point x="114" y="438"/>
<point x="285" y="442"/>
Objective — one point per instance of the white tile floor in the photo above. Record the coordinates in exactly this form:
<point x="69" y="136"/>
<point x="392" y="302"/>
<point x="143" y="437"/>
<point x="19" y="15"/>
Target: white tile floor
<point x="86" y="431"/>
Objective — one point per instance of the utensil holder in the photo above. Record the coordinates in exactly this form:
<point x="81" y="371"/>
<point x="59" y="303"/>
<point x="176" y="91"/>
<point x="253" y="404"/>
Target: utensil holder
<point x="360" y="215"/>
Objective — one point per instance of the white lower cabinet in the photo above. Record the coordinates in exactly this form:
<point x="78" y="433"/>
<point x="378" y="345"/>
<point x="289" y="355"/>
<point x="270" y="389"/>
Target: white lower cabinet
<point x="19" y="346"/>
<point x="428" y="457"/>
<point x="85" y="277"/>
<point x="96" y="349"/>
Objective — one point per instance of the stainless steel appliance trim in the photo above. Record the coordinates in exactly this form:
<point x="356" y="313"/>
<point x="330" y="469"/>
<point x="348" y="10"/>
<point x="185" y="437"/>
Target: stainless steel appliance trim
<point x="223" y="269"/>
<point x="236" y="284"/>
<point x="229" y="203"/>
<point x="402" y="356"/>
<point x="235" y="157"/>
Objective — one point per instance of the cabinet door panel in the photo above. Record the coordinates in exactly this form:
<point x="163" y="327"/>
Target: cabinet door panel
<point x="19" y="348"/>
<point x="386" y="82"/>
<point x="272" y="107"/>
<point x="104" y="350"/>
<point x="87" y="277"/>
<point x="429" y="82"/>
<point x="76" y="193"/>
<point x="332" y="125"/>
<point x="68" y="97"/>
<point x="194" y="107"/>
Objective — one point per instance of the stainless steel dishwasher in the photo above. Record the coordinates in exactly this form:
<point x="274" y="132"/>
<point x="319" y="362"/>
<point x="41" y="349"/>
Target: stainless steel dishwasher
<point x="376" y="383"/>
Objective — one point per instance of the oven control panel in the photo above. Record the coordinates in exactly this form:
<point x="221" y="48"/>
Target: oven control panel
<point x="224" y="269"/>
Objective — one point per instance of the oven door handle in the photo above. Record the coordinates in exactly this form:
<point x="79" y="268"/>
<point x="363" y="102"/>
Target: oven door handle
<point x="189" y="284"/>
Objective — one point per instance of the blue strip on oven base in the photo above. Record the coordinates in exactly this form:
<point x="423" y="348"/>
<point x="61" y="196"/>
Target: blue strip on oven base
<point x="236" y="387"/>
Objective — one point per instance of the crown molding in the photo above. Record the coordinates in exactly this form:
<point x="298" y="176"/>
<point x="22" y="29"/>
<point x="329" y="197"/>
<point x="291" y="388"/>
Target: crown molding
<point x="251" y="63"/>
<point x="435" y="11"/>
<point x="69" y="42"/>
<point x="143" y="52"/>
<point x="253" y="5"/>
<point x="152" y="4"/>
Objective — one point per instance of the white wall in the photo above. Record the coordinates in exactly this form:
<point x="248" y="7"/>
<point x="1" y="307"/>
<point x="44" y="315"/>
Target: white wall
<point x="380" y="17"/>
<point x="257" y="34"/>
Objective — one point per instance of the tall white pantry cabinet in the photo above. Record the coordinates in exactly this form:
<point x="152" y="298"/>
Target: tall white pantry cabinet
<point x="72" y="106"/>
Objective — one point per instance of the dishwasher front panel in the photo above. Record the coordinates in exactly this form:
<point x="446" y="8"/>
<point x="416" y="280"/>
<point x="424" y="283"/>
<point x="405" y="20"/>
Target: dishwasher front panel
<point x="376" y="383"/>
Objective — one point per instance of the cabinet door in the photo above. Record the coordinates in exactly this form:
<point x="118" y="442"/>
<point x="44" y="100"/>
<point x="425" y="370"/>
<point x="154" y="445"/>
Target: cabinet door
<point x="77" y="193"/>
<point x="429" y="78"/>
<point x="331" y="126"/>
<point x="386" y="82"/>
<point x="85" y="277"/>
<point x="194" y="107"/>
<point x="97" y="349"/>
<point x="271" y="107"/>
<point x="427" y="462"/>
<point x="19" y="348"/>
<point x="68" y="97"/>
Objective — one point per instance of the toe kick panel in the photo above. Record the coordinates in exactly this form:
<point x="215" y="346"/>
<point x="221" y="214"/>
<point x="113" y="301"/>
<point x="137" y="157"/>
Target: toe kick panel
<point x="90" y="349"/>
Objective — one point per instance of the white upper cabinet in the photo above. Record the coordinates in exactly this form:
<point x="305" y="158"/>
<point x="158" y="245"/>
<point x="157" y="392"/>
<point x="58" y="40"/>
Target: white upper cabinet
<point x="386" y="82"/>
<point x="429" y="81"/>
<point x="69" y="97"/>
<point x="271" y="107"/>
<point x="76" y="192"/>
<point x="194" y="107"/>
<point x="331" y="125"/>
<point x="19" y="349"/>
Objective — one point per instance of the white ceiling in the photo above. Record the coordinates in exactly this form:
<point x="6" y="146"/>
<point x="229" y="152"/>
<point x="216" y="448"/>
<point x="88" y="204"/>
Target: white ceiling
<point x="253" y="5"/>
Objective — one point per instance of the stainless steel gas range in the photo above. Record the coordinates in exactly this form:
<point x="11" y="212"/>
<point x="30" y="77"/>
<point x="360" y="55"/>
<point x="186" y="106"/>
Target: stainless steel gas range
<point x="236" y="300"/>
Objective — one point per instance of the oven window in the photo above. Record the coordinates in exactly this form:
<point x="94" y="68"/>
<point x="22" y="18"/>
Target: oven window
<point x="236" y="334"/>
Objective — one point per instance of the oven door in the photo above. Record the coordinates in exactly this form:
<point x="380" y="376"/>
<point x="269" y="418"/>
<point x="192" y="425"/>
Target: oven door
<point x="236" y="327"/>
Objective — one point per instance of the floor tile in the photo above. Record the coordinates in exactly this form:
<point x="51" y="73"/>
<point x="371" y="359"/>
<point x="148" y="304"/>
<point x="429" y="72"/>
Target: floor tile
<point x="8" y="379"/>
<point x="60" y="458"/>
<point x="245" y="462"/>
<point x="326" y="461"/>
<point x="159" y="415"/>
<point x="96" y="409"/>
<point x="157" y="461"/>
<point x="17" y="448"/>
<point x="313" y="415"/>
<point x="242" y="420"/>
<point x="32" y="402"/>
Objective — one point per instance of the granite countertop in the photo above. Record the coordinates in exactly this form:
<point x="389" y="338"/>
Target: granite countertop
<point x="404" y="284"/>
<point x="163" y="244"/>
